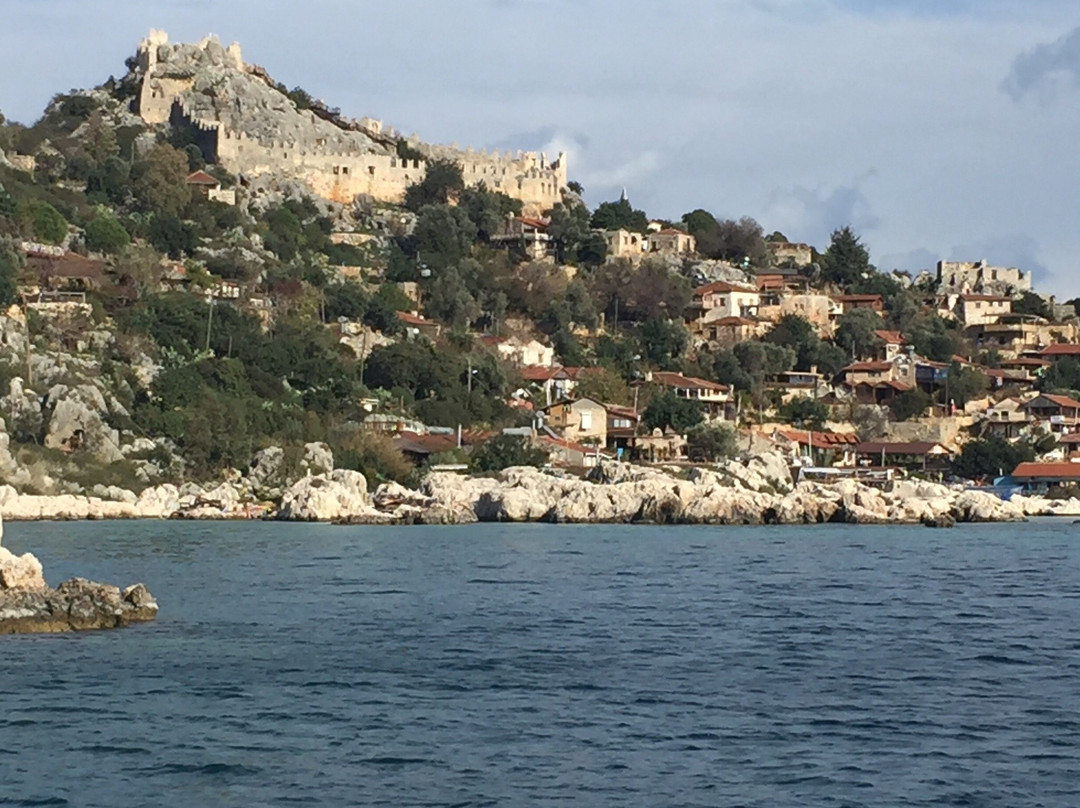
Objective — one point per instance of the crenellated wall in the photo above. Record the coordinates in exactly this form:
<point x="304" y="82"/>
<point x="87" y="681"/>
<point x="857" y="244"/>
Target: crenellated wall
<point x="337" y="164"/>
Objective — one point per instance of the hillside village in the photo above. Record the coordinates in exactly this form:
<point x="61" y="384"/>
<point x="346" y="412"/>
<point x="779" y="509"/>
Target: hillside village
<point x="181" y="311"/>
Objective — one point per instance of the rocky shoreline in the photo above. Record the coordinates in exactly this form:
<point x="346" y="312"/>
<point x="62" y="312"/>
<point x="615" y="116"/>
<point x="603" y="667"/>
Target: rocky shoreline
<point x="30" y="606"/>
<point x="757" y="490"/>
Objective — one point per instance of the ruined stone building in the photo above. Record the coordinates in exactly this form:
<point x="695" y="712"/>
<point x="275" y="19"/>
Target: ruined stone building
<point x="243" y="122"/>
<point x="965" y="277"/>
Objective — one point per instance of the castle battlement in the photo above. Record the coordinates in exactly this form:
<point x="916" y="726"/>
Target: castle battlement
<point x="246" y="125"/>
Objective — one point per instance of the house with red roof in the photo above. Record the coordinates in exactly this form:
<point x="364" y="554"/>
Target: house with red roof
<point x="817" y="448"/>
<point x="1040" y="476"/>
<point x="714" y="397"/>
<point x="1060" y="413"/>
<point x="415" y="325"/>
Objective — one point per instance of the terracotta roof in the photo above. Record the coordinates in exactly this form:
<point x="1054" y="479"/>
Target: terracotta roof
<point x="819" y="439"/>
<point x="893" y="383"/>
<point x="414" y="443"/>
<point x="1061" y="349"/>
<point x="69" y="265"/>
<point x="539" y="373"/>
<point x="1072" y="437"/>
<point x="1048" y="471"/>
<point x="668" y="379"/>
<point x="1026" y="361"/>
<point x="867" y="366"/>
<point x="722" y="286"/>
<point x="413" y="319"/>
<point x="890" y="337"/>
<point x="202" y="178"/>
<point x="539" y="224"/>
<point x="625" y="412"/>
<point x="733" y="321"/>
<point x="859" y="298"/>
<point x="492" y="341"/>
<point x="919" y="447"/>
<point x="1061" y="401"/>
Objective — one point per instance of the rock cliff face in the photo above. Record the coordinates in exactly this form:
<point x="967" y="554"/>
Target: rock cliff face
<point x="28" y="605"/>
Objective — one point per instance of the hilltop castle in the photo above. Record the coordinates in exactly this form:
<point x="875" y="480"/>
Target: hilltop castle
<point x="243" y="122"/>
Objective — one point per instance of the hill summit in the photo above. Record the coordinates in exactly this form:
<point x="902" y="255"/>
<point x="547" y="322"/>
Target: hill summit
<point x="250" y="125"/>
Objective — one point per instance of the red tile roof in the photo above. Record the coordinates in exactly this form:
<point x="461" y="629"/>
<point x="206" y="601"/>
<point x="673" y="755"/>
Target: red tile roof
<point x="202" y="178"/>
<point x="1061" y="401"/>
<point x="1061" y="349"/>
<point x="859" y="298"/>
<point x="890" y="337"/>
<point x="914" y="448"/>
<point x="1048" y="471"/>
<point x="413" y="319"/>
<point x="722" y="286"/>
<point x="668" y="379"/>
<point x="858" y="367"/>
<point x="819" y="439"/>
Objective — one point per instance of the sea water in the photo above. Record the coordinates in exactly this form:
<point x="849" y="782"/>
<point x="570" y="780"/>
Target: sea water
<point x="524" y="665"/>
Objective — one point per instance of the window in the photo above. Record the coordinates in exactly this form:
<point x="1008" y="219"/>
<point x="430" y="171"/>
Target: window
<point x="586" y="420"/>
<point x="371" y="170"/>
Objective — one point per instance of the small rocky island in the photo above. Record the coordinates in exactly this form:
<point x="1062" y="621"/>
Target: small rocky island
<point x="29" y="606"/>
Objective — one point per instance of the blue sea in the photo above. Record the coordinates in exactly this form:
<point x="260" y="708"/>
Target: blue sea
<point x="526" y="665"/>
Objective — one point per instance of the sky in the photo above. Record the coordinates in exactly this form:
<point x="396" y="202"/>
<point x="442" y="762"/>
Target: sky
<point x="938" y="129"/>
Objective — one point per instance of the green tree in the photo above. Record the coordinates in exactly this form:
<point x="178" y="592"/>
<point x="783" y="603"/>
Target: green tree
<point x="711" y="442"/>
<point x="965" y="384"/>
<point x="1062" y="375"/>
<point x="604" y="385"/>
<point x="760" y="360"/>
<point x="569" y="229"/>
<point x="159" y="180"/>
<point x="173" y="236"/>
<point x="10" y="265"/>
<point x="909" y="404"/>
<point x="44" y="220"/>
<point x="846" y="260"/>
<point x="664" y="341"/>
<point x="487" y="210"/>
<point x="105" y="234"/>
<point x="1031" y="303"/>
<point x="990" y="457"/>
<point x="442" y="183"/>
<point x="504" y="451"/>
<point x="444" y="235"/>
<point x="804" y="412"/>
<point x="667" y="409"/>
<point x="619" y="215"/>
<point x="855" y="332"/>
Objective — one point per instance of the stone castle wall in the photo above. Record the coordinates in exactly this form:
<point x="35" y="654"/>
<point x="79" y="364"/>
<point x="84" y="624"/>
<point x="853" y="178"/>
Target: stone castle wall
<point x="329" y="165"/>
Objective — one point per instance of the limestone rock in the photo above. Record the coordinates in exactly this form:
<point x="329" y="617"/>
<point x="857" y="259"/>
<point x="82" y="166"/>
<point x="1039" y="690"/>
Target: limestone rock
<point x="342" y="494"/>
<point x="318" y="459"/>
<point x="20" y="572"/>
<point x="75" y="605"/>
<point x="75" y="418"/>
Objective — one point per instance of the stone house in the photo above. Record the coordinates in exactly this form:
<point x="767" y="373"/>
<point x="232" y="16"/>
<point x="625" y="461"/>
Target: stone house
<point x="972" y="309"/>
<point x="787" y="253"/>
<point x="520" y="352"/>
<point x="530" y="232"/>
<point x="818" y="309"/>
<point x="670" y="241"/>
<point x="580" y="420"/>
<point x="723" y="299"/>
<point x="569" y="454"/>
<point x="1060" y="413"/>
<point x="624" y="244"/>
<point x="728" y="331"/>
<point x="963" y="277"/>
<point x="852" y="302"/>
<point x="715" y="398"/>
<point x="817" y="448"/>
<point x="892" y="343"/>
<point x="622" y="427"/>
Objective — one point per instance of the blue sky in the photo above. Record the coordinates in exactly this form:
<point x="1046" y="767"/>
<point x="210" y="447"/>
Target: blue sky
<point x="938" y="129"/>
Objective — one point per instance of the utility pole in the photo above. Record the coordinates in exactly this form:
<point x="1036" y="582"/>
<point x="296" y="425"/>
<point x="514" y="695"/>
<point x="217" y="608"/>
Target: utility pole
<point x="209" y="318"/>
<point x="469" y="381"/>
